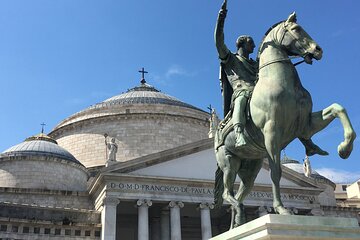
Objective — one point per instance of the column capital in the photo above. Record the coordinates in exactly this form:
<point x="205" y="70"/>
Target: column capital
<point x="264" y="210"/>
<point x="294" y="210"/>
<point x="144" y="202"/>
<point x="206" y="205"/>
<point x="317" y="212"/>
<point x="176" y="204"/>
<point x="111" y="201"/>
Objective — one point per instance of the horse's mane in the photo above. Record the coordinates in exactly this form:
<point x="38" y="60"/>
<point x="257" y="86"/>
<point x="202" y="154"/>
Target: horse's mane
<point x="262" y="41"/>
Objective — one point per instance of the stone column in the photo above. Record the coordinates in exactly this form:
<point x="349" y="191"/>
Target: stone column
<point x="165" y="224"/>
<point x="205" y="220"/>
<point x="108" y="218"/>
<point x="155" y="229"/>
<point x="175" y="221"/>
<point x="143" y="218"/>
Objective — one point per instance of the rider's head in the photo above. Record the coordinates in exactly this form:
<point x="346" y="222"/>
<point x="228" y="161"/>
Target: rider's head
<point x="246" y="42"/>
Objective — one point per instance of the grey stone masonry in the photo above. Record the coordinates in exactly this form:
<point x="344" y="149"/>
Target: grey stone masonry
<point x="41" y="230"/>
<point x="44" y="198"/>
<point x="42" y="172"/>
<point x="136" y="135"/>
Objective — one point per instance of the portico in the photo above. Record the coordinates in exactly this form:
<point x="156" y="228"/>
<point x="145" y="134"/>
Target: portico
<point x="155" y="209"/>
<point x="172" y="208"/>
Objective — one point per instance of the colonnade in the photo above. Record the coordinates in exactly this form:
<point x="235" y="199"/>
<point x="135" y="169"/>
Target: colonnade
<point x="167" y="227"/>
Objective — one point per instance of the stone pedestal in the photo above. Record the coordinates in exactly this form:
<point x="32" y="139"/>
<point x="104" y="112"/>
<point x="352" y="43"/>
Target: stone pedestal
<point x="282" y="227"/>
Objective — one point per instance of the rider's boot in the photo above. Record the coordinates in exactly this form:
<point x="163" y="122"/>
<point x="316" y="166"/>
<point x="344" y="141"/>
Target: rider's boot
<point x="312" y="148"/>
<point x="239" y="135"/>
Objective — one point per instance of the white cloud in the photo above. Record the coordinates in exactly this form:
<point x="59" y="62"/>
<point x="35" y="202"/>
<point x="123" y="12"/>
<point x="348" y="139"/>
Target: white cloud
<point x="339" y="176"/>
<point x="171" y="74"/>
<point x="176" y="70"/>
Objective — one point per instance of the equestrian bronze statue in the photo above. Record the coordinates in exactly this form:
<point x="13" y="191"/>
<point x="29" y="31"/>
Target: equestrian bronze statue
<point x="266" y="108"/>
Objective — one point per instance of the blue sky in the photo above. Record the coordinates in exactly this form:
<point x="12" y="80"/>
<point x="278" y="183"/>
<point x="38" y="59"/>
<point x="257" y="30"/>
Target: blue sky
<point x="59" y="57"/>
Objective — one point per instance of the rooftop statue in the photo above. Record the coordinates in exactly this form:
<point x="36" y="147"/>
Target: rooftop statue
<point x="214" y="121"/>
<point x="112" y="147"/>
<point x="307" y="167"/>
<point x="266" y="107"/>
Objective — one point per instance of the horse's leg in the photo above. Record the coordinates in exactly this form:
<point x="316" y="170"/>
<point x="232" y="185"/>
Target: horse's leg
<point x="248" y="174"/>
<point x="319" y="120"/>
<point x="273" y="148"/>
<point x="229" y="166"/>
<point x="248" y="171"/>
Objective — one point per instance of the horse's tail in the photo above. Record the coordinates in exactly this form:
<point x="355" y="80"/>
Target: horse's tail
<point x="219" y="188"/>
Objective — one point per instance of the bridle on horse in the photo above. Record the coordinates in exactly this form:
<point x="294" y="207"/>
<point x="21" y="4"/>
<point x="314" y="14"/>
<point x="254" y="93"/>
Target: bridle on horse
<point x="285" y="30"/>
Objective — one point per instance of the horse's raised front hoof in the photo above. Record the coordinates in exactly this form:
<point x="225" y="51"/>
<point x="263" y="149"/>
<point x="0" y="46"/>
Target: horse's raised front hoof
<point x="345" y="150"/>
<point x="282" y="211"/>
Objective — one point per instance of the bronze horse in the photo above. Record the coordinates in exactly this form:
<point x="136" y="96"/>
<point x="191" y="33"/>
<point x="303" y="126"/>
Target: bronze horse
<point x="280" y="111"/>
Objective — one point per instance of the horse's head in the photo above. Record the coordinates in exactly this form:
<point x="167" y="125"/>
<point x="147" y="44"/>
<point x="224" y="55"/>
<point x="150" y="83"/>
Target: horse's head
<point x="296" y="41"/>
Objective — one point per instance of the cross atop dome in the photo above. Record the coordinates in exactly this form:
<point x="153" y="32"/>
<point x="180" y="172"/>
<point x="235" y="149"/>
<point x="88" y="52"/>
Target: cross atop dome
<point x="142" y="71"/>
<point x="42" y="127"/>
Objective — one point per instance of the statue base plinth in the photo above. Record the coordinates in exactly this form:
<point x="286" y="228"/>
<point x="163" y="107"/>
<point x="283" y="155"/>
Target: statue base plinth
<point x="109" y="163"/>
<point x="273" y="226"/>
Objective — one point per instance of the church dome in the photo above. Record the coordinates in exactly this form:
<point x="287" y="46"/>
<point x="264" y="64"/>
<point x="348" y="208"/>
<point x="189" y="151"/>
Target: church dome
<point x="40" y="144"/>
<point x="143" y="94"/>
<point x="296" y="166"/>
<point x="39" y="162"/>
<point x="143" y="120"/>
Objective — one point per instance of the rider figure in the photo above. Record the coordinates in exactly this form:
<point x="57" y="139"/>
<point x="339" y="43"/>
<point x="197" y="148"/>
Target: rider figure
<point x="241" y="72"/>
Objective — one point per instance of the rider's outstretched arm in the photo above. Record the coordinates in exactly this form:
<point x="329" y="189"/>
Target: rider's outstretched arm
<point x="219" y="33"/>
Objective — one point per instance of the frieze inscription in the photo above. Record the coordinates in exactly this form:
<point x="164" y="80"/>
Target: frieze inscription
<point x="195" y="191"/>
<point x="161" y="188"/>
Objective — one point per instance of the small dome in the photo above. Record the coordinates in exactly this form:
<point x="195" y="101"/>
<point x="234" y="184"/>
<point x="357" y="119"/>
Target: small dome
<point x="299" y="168"/>
<point x="295" y="165"/>
<point x="287" y="160"/>
<point x="40" y="144"/>
<point x="39" y="163"/>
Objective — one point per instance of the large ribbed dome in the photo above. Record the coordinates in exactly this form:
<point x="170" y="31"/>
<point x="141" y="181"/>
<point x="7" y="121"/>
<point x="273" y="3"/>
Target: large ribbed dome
<point x="144" y="94"/>
<point x="143" y="120"/>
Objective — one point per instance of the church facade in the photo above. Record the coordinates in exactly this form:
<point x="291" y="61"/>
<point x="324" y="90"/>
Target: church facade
<point x="139" y="165"/>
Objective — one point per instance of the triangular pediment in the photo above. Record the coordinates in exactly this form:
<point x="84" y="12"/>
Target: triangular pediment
<point x="197" y="161"/>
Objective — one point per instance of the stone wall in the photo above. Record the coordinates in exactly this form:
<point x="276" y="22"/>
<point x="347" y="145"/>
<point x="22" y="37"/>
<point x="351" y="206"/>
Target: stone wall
<point x="112" y="110"/>
<point x="42" y="172"/>
<point x="347" y="212"/>
<point x="45" y="198"/>
<point x="136" y="135"/>
<point x="21" y="229"/>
